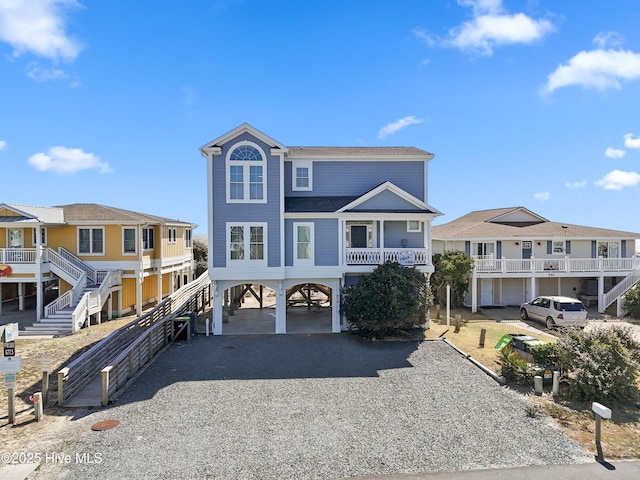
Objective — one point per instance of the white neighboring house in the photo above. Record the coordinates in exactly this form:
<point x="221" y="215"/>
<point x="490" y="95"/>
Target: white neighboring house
<point x="519" y="255"/>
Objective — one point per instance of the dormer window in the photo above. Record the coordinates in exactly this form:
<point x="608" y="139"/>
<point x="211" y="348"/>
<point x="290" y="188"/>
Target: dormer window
<point x="246" y="182"/>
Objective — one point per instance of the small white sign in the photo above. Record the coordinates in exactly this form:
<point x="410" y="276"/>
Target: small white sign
<point x="10" y="380"/>
<point x="45" y="364"/>
<point x="10" y="364"/>
<point x="10" y="332"/>
<point x="406" y="258"/>
<point x="599" y="409"/>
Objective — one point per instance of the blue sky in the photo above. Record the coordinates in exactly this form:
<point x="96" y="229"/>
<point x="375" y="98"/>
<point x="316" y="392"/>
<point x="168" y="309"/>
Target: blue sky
<point x="532" y="103"/>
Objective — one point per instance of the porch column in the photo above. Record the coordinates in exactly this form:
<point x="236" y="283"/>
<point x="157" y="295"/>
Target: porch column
<point x="110" y="306"/>
<point x="335" y="307"/>
<point x="20" y="296"/>
<point x="533" y="288"/>
<point x="1" y="298"/>
<point x="601" y="293"/>
<point x="217" y="311"/>
<point x="281" y="310"/>
<point x="159" y="285"/>
<point x="39" y="291"/>
<point x="382" y="259"/>
<point x="119" y="312"/>
<point x="139" y="281"/>
<point x="172" y="283"/>
<point x="474" y="293"/>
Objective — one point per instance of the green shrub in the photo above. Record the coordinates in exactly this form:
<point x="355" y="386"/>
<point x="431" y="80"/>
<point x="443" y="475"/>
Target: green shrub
<point x="513" y="368"/>
<point x="545" y="354"/>
<point x="602" y="364"/>
<point x="632" y="301"/>
<point x="390" y="299"/>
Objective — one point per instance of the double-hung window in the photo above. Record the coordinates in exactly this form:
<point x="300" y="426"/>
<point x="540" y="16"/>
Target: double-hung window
<point x="172" y="234"/>
<point x="246" y="168"/>
<point x="302" y="175"/>
<point x="187" y="238"/>
<point x="147" y="238"/>
<point x="43" y="236"/>
<point x="129" y="240"/>
<point x="246" y="242"/>
<point x="91" y="241"/>
<point x="303" y="240"/>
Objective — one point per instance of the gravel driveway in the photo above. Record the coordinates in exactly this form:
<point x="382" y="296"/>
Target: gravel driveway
<point x="312" y="406"/>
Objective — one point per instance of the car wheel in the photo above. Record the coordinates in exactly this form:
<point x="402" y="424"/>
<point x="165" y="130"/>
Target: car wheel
<point x="523" y="314"/>
<point x="550" y="323"/>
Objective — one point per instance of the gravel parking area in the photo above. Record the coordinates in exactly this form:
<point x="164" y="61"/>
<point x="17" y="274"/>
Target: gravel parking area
<point x="312" y="406"/>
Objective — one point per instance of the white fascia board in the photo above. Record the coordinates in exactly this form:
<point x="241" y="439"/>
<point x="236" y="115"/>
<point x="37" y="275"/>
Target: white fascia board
<point x="243" y="273"/>
<point x="114" y="265"/>
<point x="363" y="158"/>
<point x="244" y="128"/>
<point x="381" y="188"/>
<point x="305" y="274"/>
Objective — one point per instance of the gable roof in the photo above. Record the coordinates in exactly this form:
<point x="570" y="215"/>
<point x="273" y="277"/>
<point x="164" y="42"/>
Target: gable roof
<point x="34" y="214"/>
<point x="214" y="145"/>
<point x="342" y="204"/>
<point x="95" y="213"/>
<point x="498" y="223"/>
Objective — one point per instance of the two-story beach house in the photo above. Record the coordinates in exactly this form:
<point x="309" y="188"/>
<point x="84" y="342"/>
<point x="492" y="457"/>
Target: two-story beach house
<point x="288" y="217"/>
<point x="519" y="255"/>
<point x="80" y="260"/>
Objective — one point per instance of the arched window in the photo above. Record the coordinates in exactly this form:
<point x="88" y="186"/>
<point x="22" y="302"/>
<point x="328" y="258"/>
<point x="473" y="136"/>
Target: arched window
<point x="246" y="167"/>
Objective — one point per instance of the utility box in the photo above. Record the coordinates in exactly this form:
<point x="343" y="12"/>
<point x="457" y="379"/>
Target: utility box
<point x="178" y="322"/>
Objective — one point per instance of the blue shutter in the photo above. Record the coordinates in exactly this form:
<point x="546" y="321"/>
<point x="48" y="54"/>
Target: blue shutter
<point x="549" y="247"/>
<point x="594" y="249"/>
<point x="467" y="247"/>
<point x="499" y="249"/>
<point x="568" y="247"/>
<point x="623" y="249"/>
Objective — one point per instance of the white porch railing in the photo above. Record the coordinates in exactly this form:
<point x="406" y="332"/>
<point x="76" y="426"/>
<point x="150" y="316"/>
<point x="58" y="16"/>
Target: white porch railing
<point x="88" y="269"/>
<point x="64" y="265"/>
<point x="619" y="289"/>
<point x="550" y="265"/>
<point x="17" y="255"/>
<point x="377" y="256"/>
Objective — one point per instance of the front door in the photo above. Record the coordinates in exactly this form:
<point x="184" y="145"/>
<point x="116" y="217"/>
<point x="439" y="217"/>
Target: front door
<point x="358" y="236"/>
<point x="526" y="250"/>
<point x="486" y="291"/>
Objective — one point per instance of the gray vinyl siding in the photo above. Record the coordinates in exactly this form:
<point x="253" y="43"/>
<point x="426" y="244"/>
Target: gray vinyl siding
<point x="357" y="178"/>
<point x="224" y="212"/>
<point x="325" y="241"/>
<point x="395" y="232"/>
<point x="386" y="201"/>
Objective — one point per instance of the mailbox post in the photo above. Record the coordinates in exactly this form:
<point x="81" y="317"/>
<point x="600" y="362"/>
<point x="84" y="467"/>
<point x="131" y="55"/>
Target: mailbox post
<point x="600" y="412"/>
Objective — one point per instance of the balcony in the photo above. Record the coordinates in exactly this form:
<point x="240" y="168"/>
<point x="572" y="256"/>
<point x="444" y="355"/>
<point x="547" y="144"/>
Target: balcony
<point x="550" y="266"/>
<point x="378" y="256"/>
<point x="11" y="256"/>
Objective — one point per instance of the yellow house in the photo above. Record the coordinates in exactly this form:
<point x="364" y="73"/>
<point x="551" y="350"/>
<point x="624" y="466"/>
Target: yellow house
<point x="83" y="260"/>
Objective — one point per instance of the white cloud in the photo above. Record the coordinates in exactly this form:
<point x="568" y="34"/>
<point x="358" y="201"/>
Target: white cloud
<point x="617" y="180"/>
<point x="614" y="152"/>
<point x="422" y="34"/>
<point x="599" y="69"/>
<point x="573" y="185"/>
<point x="393" y="127"/>
<point x="67" y="161"/>
<point x="3" y="145"/>
<point x="542" y="196"/>
<point x="491" y="27"/>
<point x="608" y="39"/>
<point x="46" y="74"/>
<point x="38" y="27"/>
<point x="631" y="142"/>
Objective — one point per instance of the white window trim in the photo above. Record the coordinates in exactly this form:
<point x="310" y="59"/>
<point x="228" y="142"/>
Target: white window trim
<point x="409" y="229"/>
<point x="92" y="254"/>
<point x="553" y="246"/>
<point x="188" y="238"/>
<point x="308" y="164"/>
<point x="245" y="174"/>
<point x="169" y="235"/>
<point x="247" y="243"/>
<point x="142" y="239"/>
<point x="135" y="233"/>
<point x="300" y="262"/>
<point x="43" y="236"/>
<point x="372" y="233"/>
